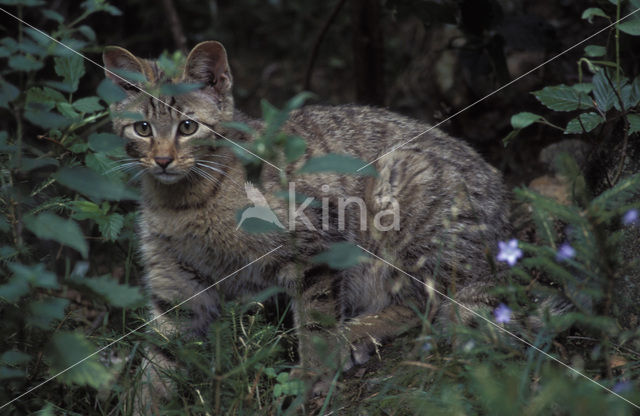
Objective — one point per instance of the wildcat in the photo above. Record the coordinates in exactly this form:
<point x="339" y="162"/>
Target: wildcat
<point x="450" y="204"/>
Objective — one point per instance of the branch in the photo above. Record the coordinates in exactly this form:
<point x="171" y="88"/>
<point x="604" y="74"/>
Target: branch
<point x="318" y="42"/>
<point x="175" y="25"/>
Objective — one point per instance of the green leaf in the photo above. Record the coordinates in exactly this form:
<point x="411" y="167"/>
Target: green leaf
<point x="24" y="63"/>
<point x="71" y="68"/>
<point x="46" y="119"/>
<point x="14" y="289"/>
<point x="592" y="12"/>
<point x="116" y="294"/>
<point x="67" y="110"/>
<point x="179" y="88"/>
<point x="70" y="351"/>
<point x="53" y="15"/>
<point x="603" y="92"/>
<point x="585" y="87"/>
<point x="111" y="225"/>
<point x="44" y="98"/>
<point x="294" y="148"/>
<point x="339" y="164"/>
<point x="298" y="100"/>
<point x="110" y="92"/>
<point x="88" y="32"/>
<point x="52" y="227"/>
<point x="93" y="185"/>
<point x="8" y="93"/>
<point x="634" y="123"/>
<point x="341" y="256"/>
<point x="13" y="357"/>
<point x="36" y="275"/>
<point x="630" y="27"/>
<point x="562" y="98"/>
<point x="239" y="126"/>
<point x="595" y="51"/>
<point x="43" y="312"/>
<point x="7" y="373"/>
<point x="106" y="142"/>
<point x="589" y="121"/>
<point x="88" y="105"/>
<point x="524" y="119"/>
<point x="29" y="164"/>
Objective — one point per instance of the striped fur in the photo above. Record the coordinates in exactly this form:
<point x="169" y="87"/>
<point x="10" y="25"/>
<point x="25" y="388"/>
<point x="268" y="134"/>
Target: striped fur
<point x="452" y="211"/>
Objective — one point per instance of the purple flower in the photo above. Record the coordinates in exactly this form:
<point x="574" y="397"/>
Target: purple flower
<point x="502" y="314"/>
<point x="565" y="252"/>
<point x="622" y="387"/>
<point x="631" y="217"/>
<point x="509" y="252"/>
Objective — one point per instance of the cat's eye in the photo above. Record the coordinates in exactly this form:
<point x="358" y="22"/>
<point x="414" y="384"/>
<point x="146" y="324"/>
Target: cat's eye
<point x="187" y="127"/>
<point x="142" y="128"/>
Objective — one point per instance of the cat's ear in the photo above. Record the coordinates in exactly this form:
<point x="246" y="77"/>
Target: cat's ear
<point x="121" y="64"/>
<point x="207" y="63"/>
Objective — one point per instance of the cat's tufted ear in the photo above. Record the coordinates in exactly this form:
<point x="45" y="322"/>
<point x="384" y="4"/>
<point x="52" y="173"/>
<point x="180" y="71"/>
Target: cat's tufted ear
<point x="207" y="63"/>
<point x="121" y="65"/>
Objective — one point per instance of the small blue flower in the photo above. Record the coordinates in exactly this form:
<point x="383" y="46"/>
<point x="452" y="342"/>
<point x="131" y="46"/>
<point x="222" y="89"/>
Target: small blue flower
<point x="509" y="252"/>
<point x="502" y="314"/>
<point x="565" y="252"/>
<point x="631" y="217"/>
<point x="622" y="387"/>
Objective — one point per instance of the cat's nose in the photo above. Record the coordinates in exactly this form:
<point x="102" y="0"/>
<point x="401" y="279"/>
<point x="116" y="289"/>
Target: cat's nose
<point x="163" y="161"/>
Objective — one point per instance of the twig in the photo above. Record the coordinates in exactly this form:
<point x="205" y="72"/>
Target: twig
<point x="318" y="42"/>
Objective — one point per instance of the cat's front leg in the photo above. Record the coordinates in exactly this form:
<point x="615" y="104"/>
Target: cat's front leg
<point x="181" y="307"/>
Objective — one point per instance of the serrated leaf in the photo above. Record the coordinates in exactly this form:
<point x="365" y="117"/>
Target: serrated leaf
<point x="595" y="51"/>
<point x="93" y="185"/>
<point x="592" y="12"/>
<point x="339" y="164"/>
<point x="602" y="91"/>
<point x="8" y="93"/>
<point x="294" y="147"/>
<point x="524" y="119"/>
<point x="88" y="105"/>
<point x="67" y="110"/>
<point x="71" y="68"/>
<point x="562" y="98"/>
<point x="44" y="98"/>
<point x="24" y="63"/>
<point x="72" y="353"/>
<point x="111" y="225"/>
<point x="634" y="123"/>
<point x="52" y="227"/>
<point x="587" y="120"/>
<point x="116" y="294"/>
<point x="13" y="357"/>
<point x="106" y="143"/>
<point x="110" y="92"/>
<point x="43" y="312"/>
<point x="341" y="256"/>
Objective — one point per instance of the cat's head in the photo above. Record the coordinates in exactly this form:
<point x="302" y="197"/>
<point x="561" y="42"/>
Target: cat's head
<point x="166" y="133"/>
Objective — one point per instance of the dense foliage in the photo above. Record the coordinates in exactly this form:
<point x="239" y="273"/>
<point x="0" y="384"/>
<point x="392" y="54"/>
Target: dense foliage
<point x="72" y="309"/>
